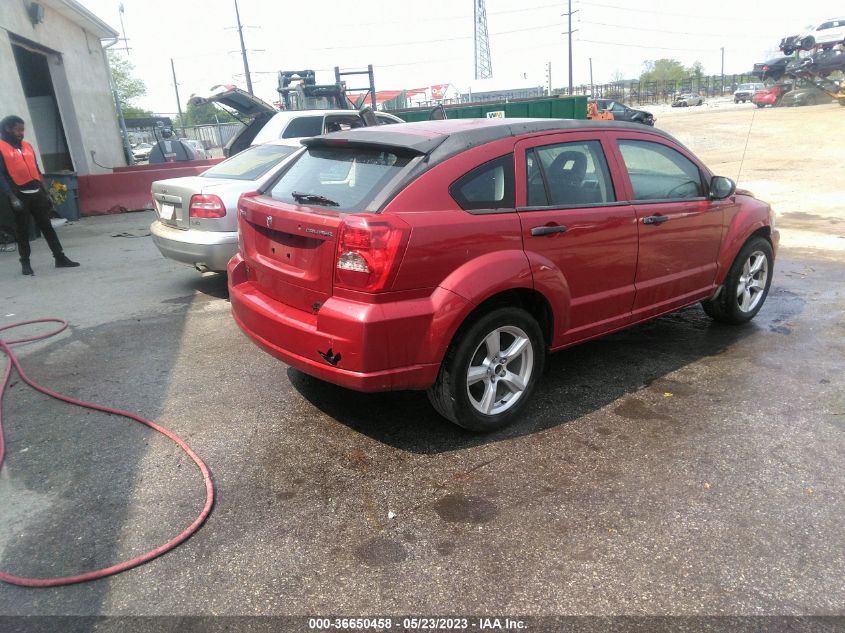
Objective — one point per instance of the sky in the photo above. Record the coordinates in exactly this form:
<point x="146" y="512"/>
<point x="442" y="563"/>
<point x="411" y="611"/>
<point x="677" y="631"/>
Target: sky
<point x="421" y="43"/>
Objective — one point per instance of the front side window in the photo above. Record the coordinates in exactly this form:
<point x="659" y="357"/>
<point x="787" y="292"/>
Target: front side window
<point x="568" y="174"/>
<point x="489" y="186"/>
<point x="338" y="178"/>
<point x="659" y="172"/>
<point x="251" y="163"/>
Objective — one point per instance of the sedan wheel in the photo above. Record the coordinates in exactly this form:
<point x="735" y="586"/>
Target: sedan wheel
<point x="490" y="370"/>
<point x="746" y="286"/>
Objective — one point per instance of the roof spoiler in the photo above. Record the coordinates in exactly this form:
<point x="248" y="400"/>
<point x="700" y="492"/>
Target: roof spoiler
<point x="403" y="144"/>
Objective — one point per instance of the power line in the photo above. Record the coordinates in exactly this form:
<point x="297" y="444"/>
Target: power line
<point x="721" y="36"/>
<point x="638" y="9"/>
<point x="659" y="48"/>
<point x="432" y="41"/>
<point x="445" y="18"/>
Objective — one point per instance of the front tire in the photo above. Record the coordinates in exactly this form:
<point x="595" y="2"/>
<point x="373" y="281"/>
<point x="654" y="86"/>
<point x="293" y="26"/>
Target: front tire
<point x="490" y="370"/>
<point x="747" y="285"/>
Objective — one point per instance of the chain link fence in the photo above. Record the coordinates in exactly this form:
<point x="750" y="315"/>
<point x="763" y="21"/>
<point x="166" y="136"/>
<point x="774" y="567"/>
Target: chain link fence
<point x="655" y="92"/>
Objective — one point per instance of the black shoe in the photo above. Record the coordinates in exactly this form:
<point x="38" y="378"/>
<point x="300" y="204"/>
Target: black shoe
<point x="26" y="269"/>
<point x="62" y="261"/>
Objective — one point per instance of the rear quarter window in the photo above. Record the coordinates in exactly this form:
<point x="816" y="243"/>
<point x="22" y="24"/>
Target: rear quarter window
<point x="488" y="186"/>
<point x="304" y="126"/>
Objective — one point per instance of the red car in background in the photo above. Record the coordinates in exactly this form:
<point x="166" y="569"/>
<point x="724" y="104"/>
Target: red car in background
<point x="770" y="95"/>
<point x="453" y="255"/>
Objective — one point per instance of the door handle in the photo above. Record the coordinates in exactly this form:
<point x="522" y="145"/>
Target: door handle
<point x="656" y="219"/>
<point x="548" y="230"/>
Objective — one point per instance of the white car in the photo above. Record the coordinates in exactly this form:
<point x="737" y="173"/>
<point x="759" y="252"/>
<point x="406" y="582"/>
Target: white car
<point x="198" y="148"/>
<point x="826" y="34"/>
<point x="196" y="216"/>
<point x="267" y="123"/>
<point x="142" y="151"/>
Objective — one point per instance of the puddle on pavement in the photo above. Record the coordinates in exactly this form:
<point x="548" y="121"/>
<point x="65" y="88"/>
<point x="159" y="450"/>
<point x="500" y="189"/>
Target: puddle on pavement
<point x="457" y="508"/>
<point x="380" y="551"/>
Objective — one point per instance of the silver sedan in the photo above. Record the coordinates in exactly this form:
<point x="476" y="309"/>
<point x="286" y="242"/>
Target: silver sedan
<point x="196" y="216"/>
<point x="688" y="99"/>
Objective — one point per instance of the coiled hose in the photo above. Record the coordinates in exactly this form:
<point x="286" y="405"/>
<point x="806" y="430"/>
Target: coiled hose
<point x="12" y="361"/>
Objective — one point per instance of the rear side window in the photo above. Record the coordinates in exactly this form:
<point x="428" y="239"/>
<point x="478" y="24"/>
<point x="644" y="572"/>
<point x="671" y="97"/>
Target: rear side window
<point x="304" y="126"/>
<point x="568" y="174"/>
<point x="348" y="177"/>
<point x="489" y="186"/>
<point x="251" y="163"/>
<point x="659" y="172"/>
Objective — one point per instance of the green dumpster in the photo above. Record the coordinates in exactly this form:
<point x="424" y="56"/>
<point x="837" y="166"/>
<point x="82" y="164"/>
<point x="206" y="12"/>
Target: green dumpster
<point x="540" y="108"/>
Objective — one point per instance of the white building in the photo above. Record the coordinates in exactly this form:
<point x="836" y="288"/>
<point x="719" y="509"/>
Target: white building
<point x="55" y="76"/>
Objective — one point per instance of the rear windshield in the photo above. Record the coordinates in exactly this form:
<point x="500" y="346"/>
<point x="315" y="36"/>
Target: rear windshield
<point x="350" y="177"/>
<point x="251" y="163"/>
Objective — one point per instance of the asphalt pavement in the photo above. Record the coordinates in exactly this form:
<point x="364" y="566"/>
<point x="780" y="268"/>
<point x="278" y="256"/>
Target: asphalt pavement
<point x="681" y="467"/>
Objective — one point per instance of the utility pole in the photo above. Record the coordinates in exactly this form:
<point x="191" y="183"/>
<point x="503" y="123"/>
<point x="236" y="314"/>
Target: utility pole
<point x="549" y="76"/>
<point x="120" y="11"/>
<point x="243" y="50"/>
<point x="569" y="34"/>
<point x="722" y="86"/>
<point x="178" y="103"/>
<point x="592" y="88"/>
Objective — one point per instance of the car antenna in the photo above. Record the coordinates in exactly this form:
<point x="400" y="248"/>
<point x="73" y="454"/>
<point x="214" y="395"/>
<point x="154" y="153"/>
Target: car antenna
<point x="747" y="137"/>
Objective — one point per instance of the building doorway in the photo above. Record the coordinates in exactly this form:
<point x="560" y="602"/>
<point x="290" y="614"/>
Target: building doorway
<point x="46" y="122"/>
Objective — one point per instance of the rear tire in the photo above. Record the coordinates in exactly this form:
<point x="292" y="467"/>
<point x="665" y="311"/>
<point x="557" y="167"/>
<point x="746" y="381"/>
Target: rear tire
<point x="746" y="286"/>
<point x="761" y="105"/>
<point x="490" y="370"/>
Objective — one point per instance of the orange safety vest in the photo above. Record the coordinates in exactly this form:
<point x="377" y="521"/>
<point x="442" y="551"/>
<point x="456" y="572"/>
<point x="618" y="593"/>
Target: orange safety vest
<point x="20" y="163"/>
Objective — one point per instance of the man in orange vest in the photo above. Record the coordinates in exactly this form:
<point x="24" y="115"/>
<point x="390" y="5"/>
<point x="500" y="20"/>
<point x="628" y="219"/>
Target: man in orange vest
<point x="21" y="182"/>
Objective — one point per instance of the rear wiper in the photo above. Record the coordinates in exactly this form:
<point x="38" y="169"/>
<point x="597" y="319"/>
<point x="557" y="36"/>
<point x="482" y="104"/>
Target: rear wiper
<point x="313" y="197"/>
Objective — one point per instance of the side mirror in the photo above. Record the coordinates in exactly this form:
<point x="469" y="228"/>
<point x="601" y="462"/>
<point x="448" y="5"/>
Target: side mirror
<point x="721" y="187"/>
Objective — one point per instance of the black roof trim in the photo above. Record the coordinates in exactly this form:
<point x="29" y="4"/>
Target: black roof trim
<point x="402" y="136"/>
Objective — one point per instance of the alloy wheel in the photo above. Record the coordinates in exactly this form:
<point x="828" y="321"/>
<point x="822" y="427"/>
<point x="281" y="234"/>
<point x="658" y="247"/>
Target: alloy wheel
<point x="500" y="370"/>
<point x="752" y="282"/>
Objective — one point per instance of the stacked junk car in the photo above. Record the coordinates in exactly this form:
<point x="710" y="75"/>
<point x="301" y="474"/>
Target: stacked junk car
<point x="810" y="71"/>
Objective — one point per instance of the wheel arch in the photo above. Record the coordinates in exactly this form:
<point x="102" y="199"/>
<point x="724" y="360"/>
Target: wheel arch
<point x="735" y="240"/>
<point x="529" y="299"/>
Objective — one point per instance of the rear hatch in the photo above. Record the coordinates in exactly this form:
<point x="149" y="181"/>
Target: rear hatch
<point x="240" y="101"/>
<point x="252" y="112"/>
<point x="290" y="251"/>
<point x="290" y="233"/>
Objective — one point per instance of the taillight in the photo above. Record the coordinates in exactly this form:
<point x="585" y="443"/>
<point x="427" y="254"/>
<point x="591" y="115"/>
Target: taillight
<point x="368" y="251"/>
<point x="203" y="206"/>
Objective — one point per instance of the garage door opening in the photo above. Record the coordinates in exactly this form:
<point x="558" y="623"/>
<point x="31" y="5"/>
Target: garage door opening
<point x="46" y="123"/>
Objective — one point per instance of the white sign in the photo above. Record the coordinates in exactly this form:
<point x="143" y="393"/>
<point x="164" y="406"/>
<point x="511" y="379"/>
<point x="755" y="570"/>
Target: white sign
<point x="496" y="114"/>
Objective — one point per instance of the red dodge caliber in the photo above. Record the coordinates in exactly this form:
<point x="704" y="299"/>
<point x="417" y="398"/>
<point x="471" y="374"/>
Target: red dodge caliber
<point x="454" y="255"/>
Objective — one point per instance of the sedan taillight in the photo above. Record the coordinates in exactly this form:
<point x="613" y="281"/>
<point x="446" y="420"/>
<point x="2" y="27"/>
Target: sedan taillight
<point x="203" y="206"/>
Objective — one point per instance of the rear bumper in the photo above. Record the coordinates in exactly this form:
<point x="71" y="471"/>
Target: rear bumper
<point x="212" y="249"/>
<point x="381" y="346"/>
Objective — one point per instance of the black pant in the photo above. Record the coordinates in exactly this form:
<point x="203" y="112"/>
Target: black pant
<point x="38" y="206"/>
